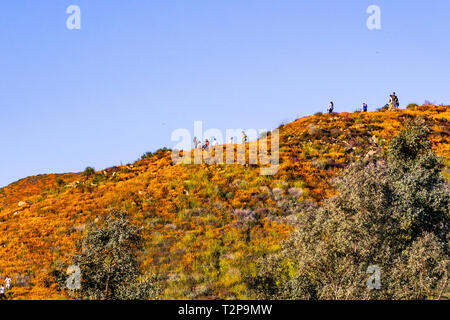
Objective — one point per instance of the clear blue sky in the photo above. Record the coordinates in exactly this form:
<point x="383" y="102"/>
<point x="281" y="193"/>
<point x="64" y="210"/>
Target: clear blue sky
<point x="137" y="70"/>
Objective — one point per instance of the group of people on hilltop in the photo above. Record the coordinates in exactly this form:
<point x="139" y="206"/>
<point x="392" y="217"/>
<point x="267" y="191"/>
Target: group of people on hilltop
<point x="393" y="104"/>
<point x="198" y="144"/>
<point x="4" y="286"/>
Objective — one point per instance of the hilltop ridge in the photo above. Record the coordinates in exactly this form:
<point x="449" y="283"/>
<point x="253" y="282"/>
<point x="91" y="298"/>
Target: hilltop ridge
<point x="189" y="211"/>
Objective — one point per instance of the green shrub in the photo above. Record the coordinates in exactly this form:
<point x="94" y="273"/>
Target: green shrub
<point x="60" y="182"/>
<point x="392" y="214"/>
<point x="384" y="108"/>
<point x="89" y="171"/>
<point x="109" y="262"/>
<point x="146" y="155"/>
<point x="98" y="178"/>
<point x="162" y="150"/>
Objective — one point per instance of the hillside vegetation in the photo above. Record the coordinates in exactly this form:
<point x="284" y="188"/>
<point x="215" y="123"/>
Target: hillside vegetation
<point x="198" y="236"/>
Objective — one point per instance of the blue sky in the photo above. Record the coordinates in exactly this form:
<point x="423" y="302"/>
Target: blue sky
<point x="137" y="70"/>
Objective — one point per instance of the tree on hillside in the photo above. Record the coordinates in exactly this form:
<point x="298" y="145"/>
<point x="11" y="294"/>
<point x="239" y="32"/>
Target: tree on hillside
<point x="109" y="264"/>
<point x="422" y="195"/>
<point x="89" y="171"/>
<point x="391" y="215"/>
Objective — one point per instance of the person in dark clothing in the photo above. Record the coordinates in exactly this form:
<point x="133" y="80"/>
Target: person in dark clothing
<point x="331" y="107"/>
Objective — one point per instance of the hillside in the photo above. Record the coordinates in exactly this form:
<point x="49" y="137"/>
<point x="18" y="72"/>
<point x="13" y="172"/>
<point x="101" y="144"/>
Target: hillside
<point x="191" y="213"/>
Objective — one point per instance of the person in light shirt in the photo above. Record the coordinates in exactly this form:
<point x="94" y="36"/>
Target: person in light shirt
<point x="8" y="282"/>
<point x="2" y="292"/>
<point x="244" y="137"/>
<point x="331" y="107"/>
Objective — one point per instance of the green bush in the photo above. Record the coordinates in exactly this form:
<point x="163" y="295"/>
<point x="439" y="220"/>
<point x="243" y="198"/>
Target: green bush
<point x="89" y="171"/>
<point x="109" y="262"/>
<point x="98" y="178"/>
<point x="384" y="108"/>
<point x="393" y="213"/>
<point x="60" y="182"/>
<point x="146" y="155"/>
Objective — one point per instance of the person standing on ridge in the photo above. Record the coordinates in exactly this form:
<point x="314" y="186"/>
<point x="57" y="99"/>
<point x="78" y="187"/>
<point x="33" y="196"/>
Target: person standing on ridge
<point x="397" y="103"/>
<point x="244" y="137"/>
<point x="331" y="107"/>
<point x="214" y="143"/>
<point x="393" y="101"/>
<point x="195" y="142"/>
<point x="364" y="107"/>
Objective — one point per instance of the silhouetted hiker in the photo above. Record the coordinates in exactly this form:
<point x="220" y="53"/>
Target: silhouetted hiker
<point x="2" y="292"/>
<point x="364" y="107"/>
<point x="244" y="137"/>
<point x="331" y="107"/>
<point x="206" y="144"/>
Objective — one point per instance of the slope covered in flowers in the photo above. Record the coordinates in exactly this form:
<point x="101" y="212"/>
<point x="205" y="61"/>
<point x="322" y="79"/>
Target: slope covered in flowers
<point x="199" y="238"/>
